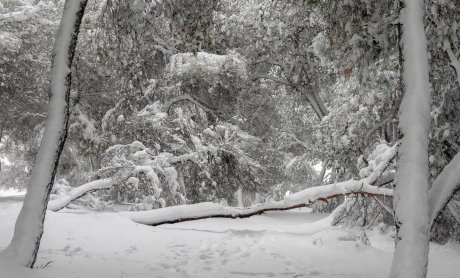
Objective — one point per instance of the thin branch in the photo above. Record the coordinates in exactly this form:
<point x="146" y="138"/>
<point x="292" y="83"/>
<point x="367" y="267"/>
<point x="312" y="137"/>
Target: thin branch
<point x="453" y="58"/>
<point x="273" y="78"/>
<point x="385" y="207"/>
<point x="201" y="104"/>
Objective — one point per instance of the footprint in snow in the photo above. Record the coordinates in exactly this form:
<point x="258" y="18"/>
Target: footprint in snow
<point x="68" y="251"/>
<point x="131" y="249"/>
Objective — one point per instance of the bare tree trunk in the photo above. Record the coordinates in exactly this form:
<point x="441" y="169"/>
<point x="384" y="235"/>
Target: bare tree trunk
<point x="410" y="258"/>
<point x="29" y="225"/>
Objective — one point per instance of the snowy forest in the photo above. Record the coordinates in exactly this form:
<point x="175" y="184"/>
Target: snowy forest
<point x="229" y="138"/>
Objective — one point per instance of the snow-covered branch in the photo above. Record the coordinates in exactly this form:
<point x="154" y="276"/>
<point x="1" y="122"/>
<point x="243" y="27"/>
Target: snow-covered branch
<point x="63" y="201"/>
<point x="443" y="188"/>
<point x="273" y="78"/>
<point x="201" y="104"/>
<point x="304" y="198"/>
<point x="22" y="15"/>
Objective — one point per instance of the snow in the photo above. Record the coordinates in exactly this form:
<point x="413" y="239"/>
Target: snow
<point x="411" y="198"/>
<point x="10" y="192"/>
<point x="277" y="244"/>
<point x="9" y="41"/>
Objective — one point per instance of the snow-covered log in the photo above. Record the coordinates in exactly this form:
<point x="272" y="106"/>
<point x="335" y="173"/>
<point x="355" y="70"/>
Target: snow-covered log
<point x="410" y="258"/>
<point x="300" y="199"/>
<point x="29" y="225"/>
<point x="63" y="201"/>
<point x="443" y="188"/>
<point x="303" y="198"/>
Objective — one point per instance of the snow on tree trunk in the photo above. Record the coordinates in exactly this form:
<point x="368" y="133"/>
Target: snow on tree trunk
<point x="410" y="197"/>
<point x="29" y="225"/>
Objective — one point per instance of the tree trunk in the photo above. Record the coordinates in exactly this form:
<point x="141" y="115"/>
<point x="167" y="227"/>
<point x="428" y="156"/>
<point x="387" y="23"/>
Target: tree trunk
<point x="410" y="258"/>
<point x="29" y="225"/>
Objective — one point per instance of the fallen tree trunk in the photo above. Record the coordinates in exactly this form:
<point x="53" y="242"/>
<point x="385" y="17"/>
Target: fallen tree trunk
<point x="300" y="199"/>
<point x="78" y="192"/>
<point x="304" y="198"/>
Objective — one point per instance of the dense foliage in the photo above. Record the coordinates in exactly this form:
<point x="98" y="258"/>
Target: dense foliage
<point x="191" y="101"/>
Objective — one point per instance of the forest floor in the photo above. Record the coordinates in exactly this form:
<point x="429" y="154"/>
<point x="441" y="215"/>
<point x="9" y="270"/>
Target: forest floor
<point x="81" y="243"/>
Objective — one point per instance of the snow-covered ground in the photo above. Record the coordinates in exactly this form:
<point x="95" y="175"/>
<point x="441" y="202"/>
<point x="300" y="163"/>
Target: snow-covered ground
<point x="79" y="243"/>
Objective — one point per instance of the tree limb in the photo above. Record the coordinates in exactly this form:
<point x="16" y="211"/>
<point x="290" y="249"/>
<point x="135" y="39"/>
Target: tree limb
<point x="273" y="78"/>
<point x="307" y="197"/>
<point x="78" y="192"/>
<point x="22" y="15"/>
<point x="201" y="104"/>
<point x="300" y="199"/>
<point x="443" y="188"/>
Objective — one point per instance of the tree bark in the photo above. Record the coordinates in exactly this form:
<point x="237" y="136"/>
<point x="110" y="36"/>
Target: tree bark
<point x="410" y="258"/>
<point x="29" y="224"/>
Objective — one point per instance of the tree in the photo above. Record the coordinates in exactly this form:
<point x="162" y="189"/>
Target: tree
<point x="411" y="194"/>
<point x="29" y="225"/>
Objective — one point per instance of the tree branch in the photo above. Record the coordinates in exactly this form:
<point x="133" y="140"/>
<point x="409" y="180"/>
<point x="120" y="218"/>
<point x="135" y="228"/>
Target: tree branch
<point x="176" y="214"/>
<point x="443" y="188"/>
<point x="273" y="78"/>
<point x="201" y="104"/>
<point x="453" y="58"/>
<point x="300" y="199"/>
<point x="78" y="192"/>
<point x="22" y="15"/>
